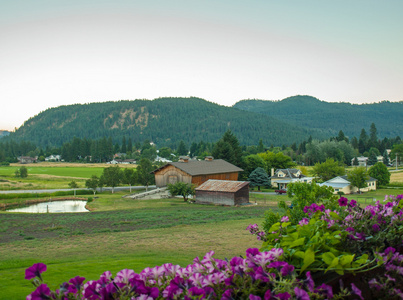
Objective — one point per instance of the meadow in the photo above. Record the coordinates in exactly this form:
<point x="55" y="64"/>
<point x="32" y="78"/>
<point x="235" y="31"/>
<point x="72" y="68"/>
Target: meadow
<point x="122" y="233"/>
<point x="119" y="233"/>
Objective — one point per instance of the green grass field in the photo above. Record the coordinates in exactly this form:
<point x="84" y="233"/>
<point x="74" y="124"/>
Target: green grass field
<point x="118" y="234"/>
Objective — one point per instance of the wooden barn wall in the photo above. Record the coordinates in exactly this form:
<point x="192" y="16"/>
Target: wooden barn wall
<point x="198" y="180"/>
<point x="242" y="196"/>
<point x="219" y="198"/>
<point x="170" y="174"/>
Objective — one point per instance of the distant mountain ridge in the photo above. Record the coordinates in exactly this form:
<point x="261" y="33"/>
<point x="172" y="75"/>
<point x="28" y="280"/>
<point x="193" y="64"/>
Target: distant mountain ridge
<point x="4" y="133"/>
<point x="165" y="121"/>
<point x="329" y="118"/>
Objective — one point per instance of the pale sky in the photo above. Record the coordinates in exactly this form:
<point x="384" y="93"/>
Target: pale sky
<point x="55" y="52"/>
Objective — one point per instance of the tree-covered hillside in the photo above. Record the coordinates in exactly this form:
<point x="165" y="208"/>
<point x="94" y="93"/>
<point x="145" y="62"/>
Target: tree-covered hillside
<point x="330" y="118"/>
<point x="165" y="121"/>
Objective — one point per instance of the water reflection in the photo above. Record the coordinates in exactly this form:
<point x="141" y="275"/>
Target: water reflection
<point x="54" y="207"/>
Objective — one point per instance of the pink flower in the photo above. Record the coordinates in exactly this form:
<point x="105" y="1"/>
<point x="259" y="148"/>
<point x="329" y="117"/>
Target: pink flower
<point x="285" y="219"/>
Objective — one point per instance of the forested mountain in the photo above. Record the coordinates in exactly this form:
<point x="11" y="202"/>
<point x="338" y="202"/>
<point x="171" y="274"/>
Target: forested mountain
<point x="330" y="118"/>
<point x="4" y="133"/>
<point x="165" y="121"/>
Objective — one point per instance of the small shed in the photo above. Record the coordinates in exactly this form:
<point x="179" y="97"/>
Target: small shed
<point x="223" y="192"/>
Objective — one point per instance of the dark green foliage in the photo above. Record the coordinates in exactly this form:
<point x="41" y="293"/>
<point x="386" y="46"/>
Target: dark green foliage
<point x="112" y="176"/>
<point x="181" y="189"/>
<point x="182" y="148"/>
<point x="144" y="175"/>
<point x="328" y="169"/>
<point x="250" y="163"/>
<point x="380" y="172"/>
<point x="372" y="160"/>
<point x="355" y="161"/>
<point x="92" y="183"/>
<point x="259" y="178"/>
<point x="23" y="172"/>
<point x="164" y="121"/>
<point x="228" y="148"/>
<point x="358" y="177"/>
<point x="330" y="118"/>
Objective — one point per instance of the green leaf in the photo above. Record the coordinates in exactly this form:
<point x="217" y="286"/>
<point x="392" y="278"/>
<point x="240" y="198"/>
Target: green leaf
<point x="309" y="258"/>
<point x="335" y="216"/>
<point x="328" y="257"/>
<point x="298" y="242"/>
<point x="346" y="260"/>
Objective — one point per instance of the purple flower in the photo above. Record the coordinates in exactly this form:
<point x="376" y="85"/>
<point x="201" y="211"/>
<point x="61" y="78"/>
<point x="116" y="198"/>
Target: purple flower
<point x="287" y="270"/>
<point x="353" y="203"/>
<point x="343" y="201"/>
<point x="77" y="283"/>
<point x="325" y="290"/>
<point x="285" y="219"/>
<point x="304" y="221"/>
<point x="300" y="294"/>
<point x="253" y="297"/>
<point x="390" y="250"/>
<point x="309" y="281"/>
<point x="227" y="295"/>
<point x="35" y="271"/>
<point x="376" y="228"/>
<point x="283" y="296"/>
<point x="42" y="292"/>
<point x="356" y="291"/>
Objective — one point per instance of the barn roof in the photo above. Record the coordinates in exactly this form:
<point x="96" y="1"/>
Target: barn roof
<point x="228" y="186"/>
<point x="203" y="167"/>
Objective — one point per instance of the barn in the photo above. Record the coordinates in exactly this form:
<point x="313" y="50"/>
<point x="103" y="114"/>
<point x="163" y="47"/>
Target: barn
<point x="195" y="171"/>
<point x="223" y="192"/>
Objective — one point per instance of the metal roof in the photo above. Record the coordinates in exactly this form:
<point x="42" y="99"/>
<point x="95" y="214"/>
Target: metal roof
<point x="229" y="186"/>
<point x="203" y="167"/>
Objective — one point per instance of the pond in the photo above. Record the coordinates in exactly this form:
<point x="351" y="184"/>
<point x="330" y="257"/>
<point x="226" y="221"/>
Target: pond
<point x="65" y="206"/>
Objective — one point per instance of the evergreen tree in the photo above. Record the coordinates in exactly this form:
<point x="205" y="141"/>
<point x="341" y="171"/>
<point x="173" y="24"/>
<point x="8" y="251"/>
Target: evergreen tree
<point x="363" y="141"/>
<point x="124" y="146"/>
<point x="260" y="147"/>
<point x="130" y="145"/>
<point x="354" y="142"/>
<point x="259" y="178"/>
<point x="373" y="137"/>
<point x="182" y="148"/>
<point x="372" y="160"/>
<point x="228" y="148"/>
<point x="355" y="161"/>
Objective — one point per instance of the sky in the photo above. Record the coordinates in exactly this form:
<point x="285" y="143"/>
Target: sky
<point x="55" y="52"/>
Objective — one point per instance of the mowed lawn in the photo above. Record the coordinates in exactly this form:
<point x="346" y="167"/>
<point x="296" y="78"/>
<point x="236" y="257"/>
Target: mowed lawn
<point x="118" y="234"/>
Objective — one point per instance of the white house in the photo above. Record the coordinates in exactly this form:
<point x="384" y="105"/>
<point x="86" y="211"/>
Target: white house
<point x="341" y="184"/>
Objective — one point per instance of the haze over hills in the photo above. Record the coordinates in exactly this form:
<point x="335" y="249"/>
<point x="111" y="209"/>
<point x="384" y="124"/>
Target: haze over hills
<point x="165" y="121"/>
<point x="329" y="118"/>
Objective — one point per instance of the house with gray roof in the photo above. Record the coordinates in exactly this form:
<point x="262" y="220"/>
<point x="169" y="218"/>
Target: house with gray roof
<point x="282" y="177"/>
<point x="342" y="184"/>
<point x="195" y="171"/>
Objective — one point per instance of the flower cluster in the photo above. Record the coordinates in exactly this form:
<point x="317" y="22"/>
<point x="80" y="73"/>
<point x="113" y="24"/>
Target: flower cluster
<point x="261" y="275"/>
<point x="390" y="284"/>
